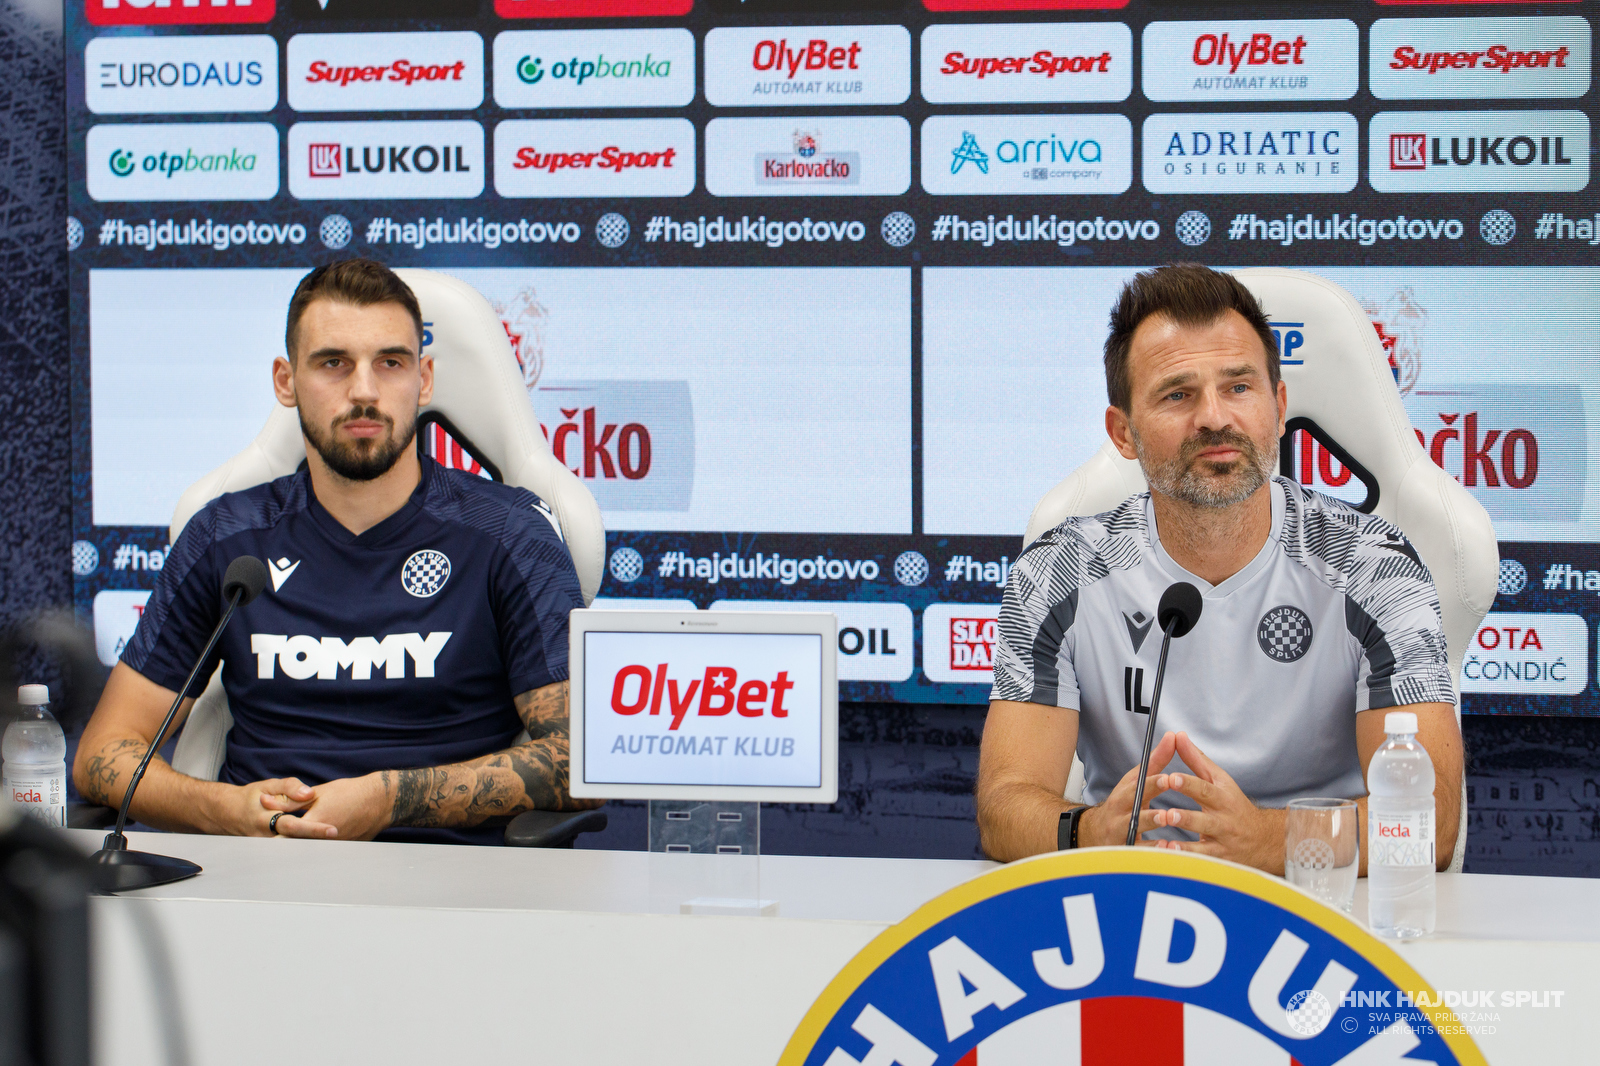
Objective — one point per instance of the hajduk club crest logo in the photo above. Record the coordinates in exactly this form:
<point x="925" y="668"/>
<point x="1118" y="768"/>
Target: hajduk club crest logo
<point x="1114" y="955"/>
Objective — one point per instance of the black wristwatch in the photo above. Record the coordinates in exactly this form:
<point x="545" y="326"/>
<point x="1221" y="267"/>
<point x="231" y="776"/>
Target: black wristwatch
<point x="1067" y="829"/>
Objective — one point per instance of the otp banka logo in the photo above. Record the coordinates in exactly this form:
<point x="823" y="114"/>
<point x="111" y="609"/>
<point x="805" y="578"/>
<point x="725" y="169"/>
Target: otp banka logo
<point x="1479" y="151"/>
<point x="594" y="68"/>
<point x="177" y="12"/>
<point x="385" y="160"/>
<point x="1308" y="152"/>
<point x="328" y="658"/>
<point x="1027" y="154"/>
<point x="183" y="161"/>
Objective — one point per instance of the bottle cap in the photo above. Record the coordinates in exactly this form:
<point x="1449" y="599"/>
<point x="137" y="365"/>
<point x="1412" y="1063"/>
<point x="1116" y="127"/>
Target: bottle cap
<point x="33" y="695"/>
<point x="1400" y="722"/>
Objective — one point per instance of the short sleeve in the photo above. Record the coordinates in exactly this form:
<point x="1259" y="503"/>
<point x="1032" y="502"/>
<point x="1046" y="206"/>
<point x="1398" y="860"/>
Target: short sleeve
<point x="536" y="587"/>
<point x="1392" y="612"/>
<point x="1033" y="655"/>
<point x="182" y="611"/>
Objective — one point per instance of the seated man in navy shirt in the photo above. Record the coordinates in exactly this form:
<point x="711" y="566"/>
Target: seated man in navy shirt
<point x="415" y="625"/>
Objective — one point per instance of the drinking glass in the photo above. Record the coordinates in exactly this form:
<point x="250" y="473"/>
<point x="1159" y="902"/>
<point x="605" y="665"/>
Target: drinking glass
<point x="1320" y="849"/>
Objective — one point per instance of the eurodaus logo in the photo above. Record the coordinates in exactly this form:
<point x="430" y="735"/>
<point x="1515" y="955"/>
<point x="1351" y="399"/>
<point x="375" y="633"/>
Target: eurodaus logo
<point x="716" y="692"/>
<point x="177" y="12"/>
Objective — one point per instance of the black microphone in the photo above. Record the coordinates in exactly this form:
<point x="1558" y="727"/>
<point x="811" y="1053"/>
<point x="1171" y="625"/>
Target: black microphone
<point x="123" y="869"/>
<point x="1177" y="614"/>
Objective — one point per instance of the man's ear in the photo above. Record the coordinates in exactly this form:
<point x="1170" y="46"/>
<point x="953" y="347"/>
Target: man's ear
<point x="425" y="367"/>
<point x="1120" y="430"/>
<point x="283" y="382"/>
<point x="1283" y="407"/>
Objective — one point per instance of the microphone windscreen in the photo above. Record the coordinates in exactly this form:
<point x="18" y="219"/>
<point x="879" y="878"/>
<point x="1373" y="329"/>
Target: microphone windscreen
<point x="1182" y="602"/>
<point x="248" y="576"/>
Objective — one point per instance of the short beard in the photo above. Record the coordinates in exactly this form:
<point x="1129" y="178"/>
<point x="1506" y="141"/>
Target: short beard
<point x="362" y="459"/>
<point x="1218" y="485"/>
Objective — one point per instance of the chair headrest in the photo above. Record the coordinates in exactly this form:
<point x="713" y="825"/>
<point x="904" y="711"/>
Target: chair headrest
<point x="478" y="390"/>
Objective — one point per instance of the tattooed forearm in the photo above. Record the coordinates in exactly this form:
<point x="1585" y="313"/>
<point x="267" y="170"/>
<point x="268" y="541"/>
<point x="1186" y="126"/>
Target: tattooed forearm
<point x="111" y="765"/>
<point x="530" y="776"/>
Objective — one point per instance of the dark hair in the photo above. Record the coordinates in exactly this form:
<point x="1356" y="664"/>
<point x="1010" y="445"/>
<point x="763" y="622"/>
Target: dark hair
<point x="362" y="282"/>
<point x="1191" y="295"/>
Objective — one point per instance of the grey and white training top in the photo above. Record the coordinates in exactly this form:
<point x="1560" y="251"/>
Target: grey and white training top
<point x="1336" y="614"/>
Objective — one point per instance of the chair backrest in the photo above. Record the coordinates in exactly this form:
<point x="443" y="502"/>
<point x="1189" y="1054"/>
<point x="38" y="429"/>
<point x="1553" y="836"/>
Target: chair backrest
<point x="479" y="394"/>
<point x="1340" y="383"/>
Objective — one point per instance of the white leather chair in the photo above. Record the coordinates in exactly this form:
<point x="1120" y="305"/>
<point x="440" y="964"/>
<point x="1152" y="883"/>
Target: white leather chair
<point x="1346" y="391"/>
<point x="479" y="395"/>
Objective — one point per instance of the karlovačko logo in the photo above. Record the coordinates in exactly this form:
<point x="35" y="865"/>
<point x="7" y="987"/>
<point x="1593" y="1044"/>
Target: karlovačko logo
<point x="808" y="165"/>
<point x="1080" y="957"/>
<point x="177" y="12"/>
<point x="812" y="156"/>
<point x="1511" y="58"/>
<point x="1479" y="151"/>
<point x="594" y="68"/>
<point x="1252" y="59"/>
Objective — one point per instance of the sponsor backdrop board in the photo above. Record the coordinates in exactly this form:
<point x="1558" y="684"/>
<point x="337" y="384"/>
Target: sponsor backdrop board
<point x="814" y="303"/>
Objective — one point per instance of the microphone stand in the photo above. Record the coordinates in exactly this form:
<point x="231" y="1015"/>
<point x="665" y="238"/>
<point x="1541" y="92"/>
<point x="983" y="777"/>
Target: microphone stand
<point x="1150" y="729"/>
<point x="141" y="869"/>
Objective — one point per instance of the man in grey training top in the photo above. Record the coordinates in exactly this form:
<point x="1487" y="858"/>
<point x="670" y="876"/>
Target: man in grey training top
<point x="1317" y="619"/>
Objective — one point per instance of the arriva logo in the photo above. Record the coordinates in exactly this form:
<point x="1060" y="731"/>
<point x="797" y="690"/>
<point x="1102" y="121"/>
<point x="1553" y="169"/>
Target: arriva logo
<point x="303" y="657"/>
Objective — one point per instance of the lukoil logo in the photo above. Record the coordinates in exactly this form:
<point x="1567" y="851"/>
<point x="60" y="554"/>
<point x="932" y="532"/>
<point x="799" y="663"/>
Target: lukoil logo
<point x="988" y="154"/>
<point x="594" y="157"/>
<point x="1479" y="151"/>
<point x="594" y="68"/>
<point x="177" y="12"/>
<point x="1480" y="57"/>
<point x="1309" y="152"/>
<point x="385" y="160"/>
<point x="1252" y="59"/>
<point x="303" y="657"/>
<point x="865" y="156"/>
<point x="187" y="161"/>
<point x="807" y="66"/>
<point x="1027" y="62"/>
<point x="385" y="71"/>
<point x="132" y="75"/>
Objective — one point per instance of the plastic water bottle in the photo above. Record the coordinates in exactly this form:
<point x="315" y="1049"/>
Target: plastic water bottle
<point x="34" y="774"/>
<point x="1400" y="833"/>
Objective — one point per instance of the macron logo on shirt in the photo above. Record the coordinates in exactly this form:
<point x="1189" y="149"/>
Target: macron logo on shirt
<point x="302" y="657"/>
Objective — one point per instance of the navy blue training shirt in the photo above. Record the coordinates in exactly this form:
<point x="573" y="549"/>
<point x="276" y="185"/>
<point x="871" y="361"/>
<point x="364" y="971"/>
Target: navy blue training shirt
<point x="402" y="647"/>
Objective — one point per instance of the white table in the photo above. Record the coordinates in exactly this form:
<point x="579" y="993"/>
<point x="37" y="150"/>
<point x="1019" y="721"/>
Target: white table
<point x="305" y="952"/>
